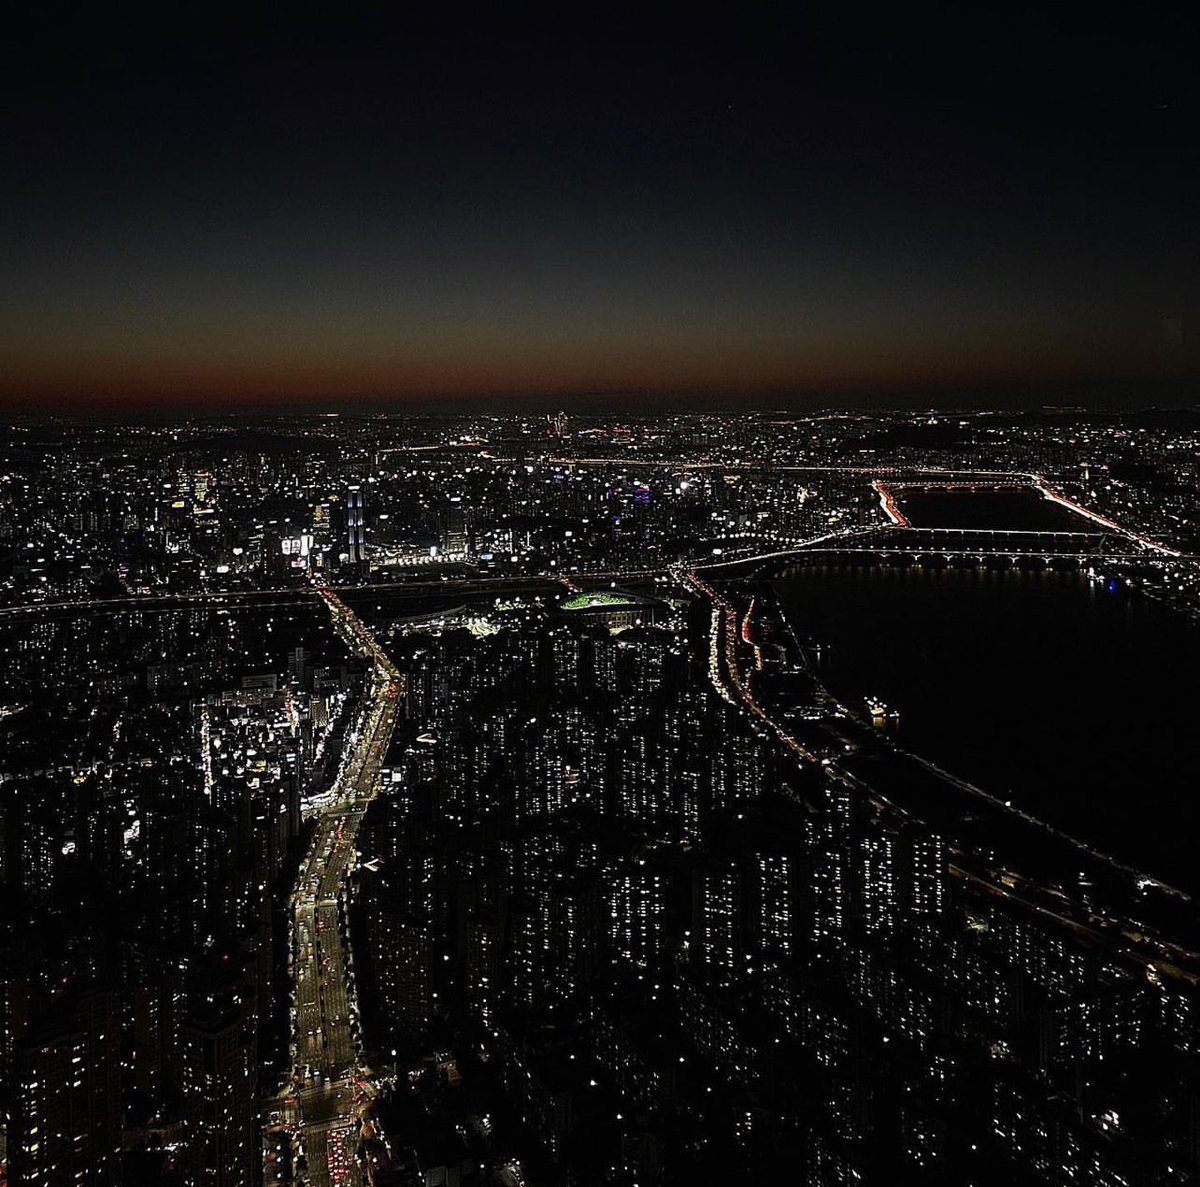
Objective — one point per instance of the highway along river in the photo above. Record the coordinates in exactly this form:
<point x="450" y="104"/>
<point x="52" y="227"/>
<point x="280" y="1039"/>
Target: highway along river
<point x="1077" y="701"/>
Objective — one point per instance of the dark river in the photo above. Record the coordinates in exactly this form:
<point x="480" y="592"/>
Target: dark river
<point x="1076" y="701"/>
<point x="1024" y="509"/>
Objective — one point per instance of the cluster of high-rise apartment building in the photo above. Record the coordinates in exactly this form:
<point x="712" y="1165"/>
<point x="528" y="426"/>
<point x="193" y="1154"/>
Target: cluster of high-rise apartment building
<point x="648" y="942"/>
<point x="150" y="808"/>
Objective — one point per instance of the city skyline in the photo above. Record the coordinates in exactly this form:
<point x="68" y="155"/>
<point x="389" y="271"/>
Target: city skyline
<point x="550" y="799"/>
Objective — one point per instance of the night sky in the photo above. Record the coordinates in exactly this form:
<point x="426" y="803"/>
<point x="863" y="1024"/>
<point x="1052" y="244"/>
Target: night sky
<point x="745" y="210"/>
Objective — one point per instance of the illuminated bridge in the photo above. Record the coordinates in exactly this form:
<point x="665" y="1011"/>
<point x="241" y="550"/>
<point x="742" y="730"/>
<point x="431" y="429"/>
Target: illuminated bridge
<point x="893" y="544"/>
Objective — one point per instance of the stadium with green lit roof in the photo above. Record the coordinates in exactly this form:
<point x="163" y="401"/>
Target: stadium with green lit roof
<point x="615" y="608"/>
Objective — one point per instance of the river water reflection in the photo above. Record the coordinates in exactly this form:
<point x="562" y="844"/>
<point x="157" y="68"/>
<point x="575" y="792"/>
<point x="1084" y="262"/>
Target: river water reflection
<point x="1075" y="700"/>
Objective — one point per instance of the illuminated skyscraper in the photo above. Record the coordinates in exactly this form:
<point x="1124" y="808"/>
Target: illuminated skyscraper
<point x="356" y="548"/>
<point x="322" y="538"/>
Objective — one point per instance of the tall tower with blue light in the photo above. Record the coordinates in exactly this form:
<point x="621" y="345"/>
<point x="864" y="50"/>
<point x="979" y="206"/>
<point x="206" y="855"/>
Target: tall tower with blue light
<point x="356" y="548"/>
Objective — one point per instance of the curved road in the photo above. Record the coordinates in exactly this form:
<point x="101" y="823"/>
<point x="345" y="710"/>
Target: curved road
<point x="326" y="1102"/>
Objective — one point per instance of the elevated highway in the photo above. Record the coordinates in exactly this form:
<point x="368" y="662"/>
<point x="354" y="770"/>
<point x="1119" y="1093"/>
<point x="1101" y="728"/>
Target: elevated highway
<point x="285" y="596"/>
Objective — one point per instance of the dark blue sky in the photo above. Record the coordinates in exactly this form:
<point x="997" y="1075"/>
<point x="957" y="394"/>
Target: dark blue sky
<point x="273" y="208"/>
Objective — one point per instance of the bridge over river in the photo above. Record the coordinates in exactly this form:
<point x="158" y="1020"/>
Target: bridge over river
<point x="900" y="544"/>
